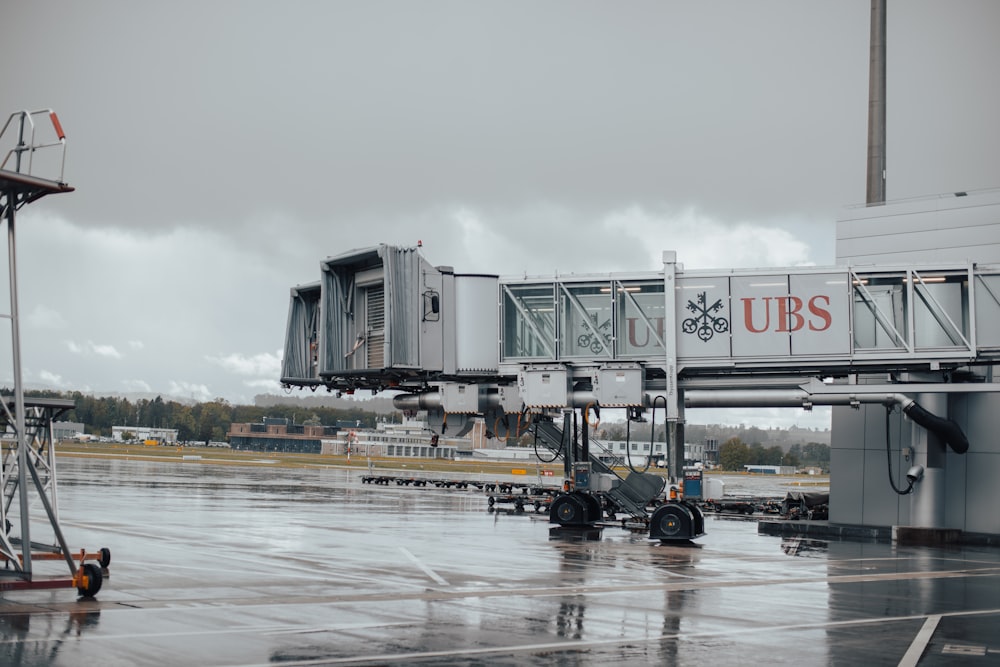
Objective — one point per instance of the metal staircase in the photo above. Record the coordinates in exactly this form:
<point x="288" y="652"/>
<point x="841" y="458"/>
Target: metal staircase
<point x="631" y="494"/>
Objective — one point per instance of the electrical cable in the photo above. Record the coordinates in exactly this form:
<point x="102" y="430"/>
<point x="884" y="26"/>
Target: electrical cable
<point x="888" y="456"/>
<point x="628" y="437"/>
<point x="558" y="451"/>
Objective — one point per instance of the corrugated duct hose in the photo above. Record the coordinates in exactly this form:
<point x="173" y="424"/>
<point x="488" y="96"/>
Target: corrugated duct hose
<point x="945" y="429"/>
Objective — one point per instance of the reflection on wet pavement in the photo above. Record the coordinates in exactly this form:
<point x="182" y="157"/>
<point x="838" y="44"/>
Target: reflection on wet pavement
<point x="230" y="565"/>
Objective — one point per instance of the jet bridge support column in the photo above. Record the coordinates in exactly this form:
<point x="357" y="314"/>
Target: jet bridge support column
<point x="927" y="503"/>
<point x="674" y="401"/>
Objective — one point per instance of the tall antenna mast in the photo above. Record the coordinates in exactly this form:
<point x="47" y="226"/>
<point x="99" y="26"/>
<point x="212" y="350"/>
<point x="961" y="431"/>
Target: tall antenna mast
<point x="876" y="107"/>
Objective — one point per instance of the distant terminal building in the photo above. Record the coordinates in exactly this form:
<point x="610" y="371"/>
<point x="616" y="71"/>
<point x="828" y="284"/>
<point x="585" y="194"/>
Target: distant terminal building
<point x="410" y="439"/>
<point x="636" y="452"/>
<point x="710" y="455"/>
<point x="279" y="434"/>
<point x="67" y="430"/>
<point x="755" y="469"/>
<point x="165" y="436"/>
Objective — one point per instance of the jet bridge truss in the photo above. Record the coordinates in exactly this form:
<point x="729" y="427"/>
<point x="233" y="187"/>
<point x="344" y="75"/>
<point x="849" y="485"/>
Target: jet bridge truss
<point x="466" y="345"/>
<point x="32" y="168"/>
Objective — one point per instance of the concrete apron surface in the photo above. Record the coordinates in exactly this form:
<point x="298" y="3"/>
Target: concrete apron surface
<point x="241" y="565"/>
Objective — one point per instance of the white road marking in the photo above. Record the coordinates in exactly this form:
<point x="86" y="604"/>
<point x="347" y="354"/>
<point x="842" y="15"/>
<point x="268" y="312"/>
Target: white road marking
<point x="426" y="570"/>
<point x="920" y="642"/>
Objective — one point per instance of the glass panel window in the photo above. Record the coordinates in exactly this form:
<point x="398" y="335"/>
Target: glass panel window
<point x="988" y="310"/>
<point x="641" y="317"/>
<point x="585" y="318"/>
<point x="940" y="311"/>
<point x="529" y="323"/>
<point x="880" y="312"/>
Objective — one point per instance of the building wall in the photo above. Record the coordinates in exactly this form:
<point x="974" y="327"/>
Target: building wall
<point x="935" y="229"/>
<point x="66" y="430"/>
<point x="940" y="229"/>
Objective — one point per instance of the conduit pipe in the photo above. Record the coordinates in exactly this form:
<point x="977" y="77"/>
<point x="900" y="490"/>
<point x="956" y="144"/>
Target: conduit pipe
<point x="945" y="429"/>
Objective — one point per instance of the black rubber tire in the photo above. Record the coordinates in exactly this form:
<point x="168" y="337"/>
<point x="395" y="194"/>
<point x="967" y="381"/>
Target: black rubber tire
<point x="568" y="510"/>
<point x="670" y="522"/>
<point x="105" y="557"/>
<point x="94" y="580"/>
<point x="594" y="512"/>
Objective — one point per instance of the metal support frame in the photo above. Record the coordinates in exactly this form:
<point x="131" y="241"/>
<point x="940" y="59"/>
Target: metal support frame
<point x="30" y="464"/>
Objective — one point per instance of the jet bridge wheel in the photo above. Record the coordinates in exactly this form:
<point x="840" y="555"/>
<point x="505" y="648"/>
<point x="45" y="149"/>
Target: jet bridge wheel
<point x="594" y="510"/>
<point x="569" y="509"/>
<point x="575" y="509"/>
<point x="677" y="522"/>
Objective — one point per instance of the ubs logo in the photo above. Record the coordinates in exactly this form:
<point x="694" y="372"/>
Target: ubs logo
<point x="777" y="314"/>
<point x="706" y="320"/>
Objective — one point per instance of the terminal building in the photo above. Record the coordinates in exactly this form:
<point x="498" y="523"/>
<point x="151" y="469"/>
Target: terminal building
<point x="279" y="434"/>
<point x="165" y="436"/>
<point x="409" y="439"/>
<point x="957" y="491"/>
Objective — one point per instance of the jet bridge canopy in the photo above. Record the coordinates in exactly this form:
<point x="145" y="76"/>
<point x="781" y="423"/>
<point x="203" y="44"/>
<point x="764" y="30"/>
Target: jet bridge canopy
<point x="383" y="317"/>
<point x="798" y="321"/>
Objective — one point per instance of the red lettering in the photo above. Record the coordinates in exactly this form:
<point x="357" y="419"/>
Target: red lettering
<point x="748" y="315"/>
<point x="631" y="334"/>
<point x="632" y="338"/>
<point x="819" y="312"/>
<point x="788" y="312"/>
<point x="789" y="317"/>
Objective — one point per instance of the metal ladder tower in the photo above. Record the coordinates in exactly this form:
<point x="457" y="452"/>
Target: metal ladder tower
<point x="30" y="463"/>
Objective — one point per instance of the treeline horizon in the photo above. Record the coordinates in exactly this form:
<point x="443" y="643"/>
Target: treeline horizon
<point x="210" y="420"/>
<point x="195" y="422"/>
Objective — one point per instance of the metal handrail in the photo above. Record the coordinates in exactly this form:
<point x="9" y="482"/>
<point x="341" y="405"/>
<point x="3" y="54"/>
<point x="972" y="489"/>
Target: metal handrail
<point x="27" y="121"/>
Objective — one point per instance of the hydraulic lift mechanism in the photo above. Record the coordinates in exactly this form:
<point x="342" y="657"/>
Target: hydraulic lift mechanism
<point x="546" y="354"/>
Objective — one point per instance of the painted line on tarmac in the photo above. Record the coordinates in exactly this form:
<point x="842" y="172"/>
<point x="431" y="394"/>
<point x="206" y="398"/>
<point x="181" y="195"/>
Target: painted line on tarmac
<point x="579" y="645"/>
<point x="426" y="570"/>
<point x="912" y="655"/>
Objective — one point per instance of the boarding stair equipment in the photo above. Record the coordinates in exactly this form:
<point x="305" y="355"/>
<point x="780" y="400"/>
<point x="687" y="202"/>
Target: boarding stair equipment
<point x="32" y="167"/>
<point x="632" y="494"/>
<point x="467" y="346"/>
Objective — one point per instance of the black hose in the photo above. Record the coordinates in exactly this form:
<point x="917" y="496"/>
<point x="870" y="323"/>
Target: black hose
<point x="556" y="455"/>
<point x="888" y="456"/>
<point x="946" y="429"/>
<point x="652" y="431"/>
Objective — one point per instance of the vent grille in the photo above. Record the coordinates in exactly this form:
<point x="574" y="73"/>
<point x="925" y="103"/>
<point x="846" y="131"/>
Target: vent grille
<point x="375" y="320"/>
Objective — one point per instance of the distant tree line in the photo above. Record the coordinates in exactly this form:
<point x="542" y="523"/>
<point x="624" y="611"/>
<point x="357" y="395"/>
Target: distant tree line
<point x="702" y="432"/>
<point x="734" y="454"/>
<point x="198" y="422"/>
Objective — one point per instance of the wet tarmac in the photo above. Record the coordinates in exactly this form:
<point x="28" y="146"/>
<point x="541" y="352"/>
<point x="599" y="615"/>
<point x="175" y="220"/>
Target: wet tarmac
<point x="225" y="565"/>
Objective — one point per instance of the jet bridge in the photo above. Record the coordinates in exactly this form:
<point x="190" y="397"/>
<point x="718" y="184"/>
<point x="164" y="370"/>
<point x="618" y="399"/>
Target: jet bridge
<point x="461" y="346"/>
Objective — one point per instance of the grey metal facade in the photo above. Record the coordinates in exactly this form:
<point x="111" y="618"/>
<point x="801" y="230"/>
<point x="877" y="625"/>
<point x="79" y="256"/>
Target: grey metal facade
<point x="962" y="227"/>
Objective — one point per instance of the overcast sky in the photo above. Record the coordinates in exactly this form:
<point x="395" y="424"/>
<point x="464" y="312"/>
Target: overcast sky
<point x="220" y="150"/>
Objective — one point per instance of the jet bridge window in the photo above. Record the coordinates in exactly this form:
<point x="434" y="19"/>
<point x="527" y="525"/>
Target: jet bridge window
<point x="880" y="312"/>
<point x="641" y="317"/>
<point x="586" y="320"/>
<point x="941" y="310"/>
<point x="529" y="322"/>
<point x="911" y="311"/>
<point x="988" y="310"/>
